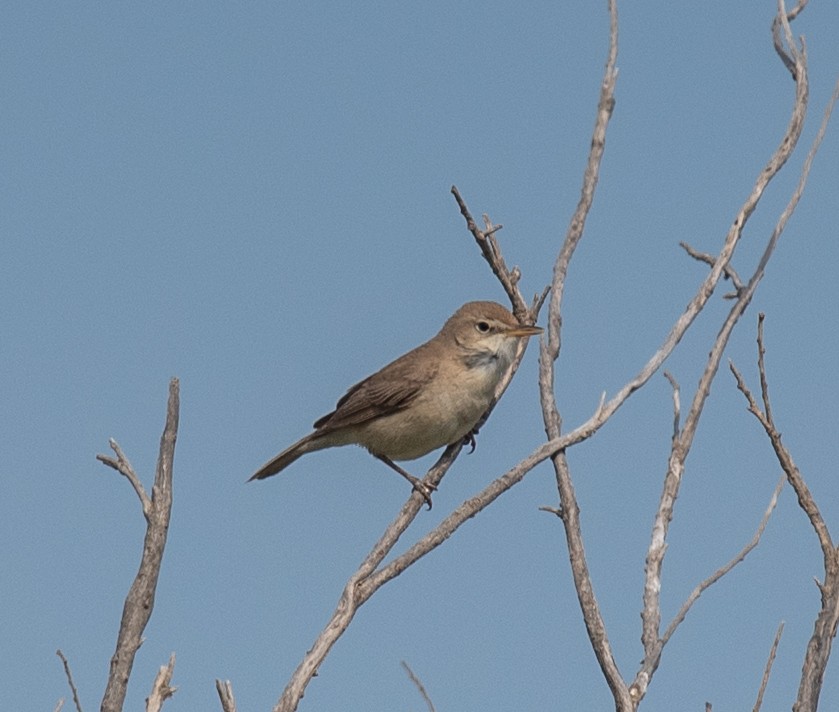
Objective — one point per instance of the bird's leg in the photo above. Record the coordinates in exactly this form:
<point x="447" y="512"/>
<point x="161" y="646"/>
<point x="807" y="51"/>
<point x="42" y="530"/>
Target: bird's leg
<point x="424" y="489"/>
<point x="469" y="439"/>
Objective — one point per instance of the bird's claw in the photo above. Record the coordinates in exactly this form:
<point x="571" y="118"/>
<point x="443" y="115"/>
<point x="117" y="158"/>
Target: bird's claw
<point x="469" y="439"/>
<point x="425" y="489"/>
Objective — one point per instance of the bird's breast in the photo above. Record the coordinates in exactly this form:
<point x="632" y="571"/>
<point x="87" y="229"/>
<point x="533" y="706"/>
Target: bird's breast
<point x="443" y="412"/>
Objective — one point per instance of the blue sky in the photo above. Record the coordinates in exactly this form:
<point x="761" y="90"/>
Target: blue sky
<point x="256" y="199"/>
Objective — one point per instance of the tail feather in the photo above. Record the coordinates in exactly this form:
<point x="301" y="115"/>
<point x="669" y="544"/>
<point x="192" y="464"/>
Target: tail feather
<point x="287" y="456"/>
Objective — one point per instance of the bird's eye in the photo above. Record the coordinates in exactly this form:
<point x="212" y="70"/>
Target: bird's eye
<point x="482" y="326"/>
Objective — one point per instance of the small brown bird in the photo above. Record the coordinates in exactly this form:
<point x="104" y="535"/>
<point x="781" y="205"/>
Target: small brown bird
<point x="431" y="397"/>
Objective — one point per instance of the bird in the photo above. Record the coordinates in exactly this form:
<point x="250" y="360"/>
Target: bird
<point x="430" y="397"/>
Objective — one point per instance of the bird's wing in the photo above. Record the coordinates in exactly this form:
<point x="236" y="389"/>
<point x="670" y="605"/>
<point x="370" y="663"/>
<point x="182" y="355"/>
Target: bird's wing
<point x="385" y="392"/>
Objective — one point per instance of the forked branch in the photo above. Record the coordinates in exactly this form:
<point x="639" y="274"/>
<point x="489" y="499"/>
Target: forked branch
<point x="824" y="630"/>
<point x="157" y="510"/>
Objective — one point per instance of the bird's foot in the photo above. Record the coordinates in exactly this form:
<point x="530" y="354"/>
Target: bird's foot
<point x="469" y="439"/>
<point x="424" y="489"/>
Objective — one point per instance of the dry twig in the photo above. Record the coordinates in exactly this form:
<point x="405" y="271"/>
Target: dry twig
<point x="161" y="690"/>
<point x="70" y="682"/>
<point x="768" y="669"/>
<point x="419" y="687"/>
<point x="723" y="570"/>
<point x="728" y="271"/>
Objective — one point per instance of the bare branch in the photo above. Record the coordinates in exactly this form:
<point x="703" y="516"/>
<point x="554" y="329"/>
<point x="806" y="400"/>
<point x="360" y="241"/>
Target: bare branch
<point x="768" y="670"/>
<point x="651" y="614"/>
<point x="550" y="348"/>
<point x="161" y="690"/>
<point x="140" y="600"/>
<point x="781" y="21"/>
<point x="728" y="272"/>
<point x="353" y="595"/>
<point x="793" y="475"/>
<point x="70" y="682"/>
<point x="491" y="252"/>
<point x="824" y="630"/>
<point x="605" y="107"/>
<point x="654" y="648"/>
<point x="722" y="571"/>
<point x="419" y="686"/>
<point x="225" y="694"/>
<point x="761" y="366"/>
<point x="124" y="467"/>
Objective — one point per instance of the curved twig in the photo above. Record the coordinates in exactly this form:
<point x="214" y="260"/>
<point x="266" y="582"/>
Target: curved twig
<point x="69" y="676"/>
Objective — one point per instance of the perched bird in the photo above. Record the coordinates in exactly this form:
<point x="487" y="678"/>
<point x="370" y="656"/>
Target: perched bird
<point x="431" y="397"/>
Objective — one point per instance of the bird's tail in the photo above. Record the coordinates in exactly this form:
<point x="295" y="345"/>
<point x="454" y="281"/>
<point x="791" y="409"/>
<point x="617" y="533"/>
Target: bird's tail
<point x="289" y="455"/>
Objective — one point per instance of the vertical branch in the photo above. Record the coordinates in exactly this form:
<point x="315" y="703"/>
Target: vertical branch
<point x="570" y="511"/>
<point x="140" y="600"/>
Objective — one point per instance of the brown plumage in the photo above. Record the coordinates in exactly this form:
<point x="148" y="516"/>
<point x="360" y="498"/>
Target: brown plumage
<point x="431" y="397"/>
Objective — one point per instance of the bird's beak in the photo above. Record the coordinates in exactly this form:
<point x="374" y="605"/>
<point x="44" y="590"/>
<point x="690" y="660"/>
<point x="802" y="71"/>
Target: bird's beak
<point x="523" y="330"/>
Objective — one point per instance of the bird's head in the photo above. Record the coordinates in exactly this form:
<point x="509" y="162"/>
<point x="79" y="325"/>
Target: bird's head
<point x="486" y="331"/>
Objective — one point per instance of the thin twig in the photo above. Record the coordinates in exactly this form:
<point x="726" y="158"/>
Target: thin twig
<point x="595" y="625"/>
<point x="781" y="21"/>
<point x="70" y="682"/>
<point x="793" y="474"/>
<point x="761" y="367"/>
<point x="722" y="571"/>
<point x="677" y="404"/>
<point x="124" y="467"/>
<point x="491" y="252"/>
<point x="768" y="669"/>
<point x="728" y="272"/>
<point x="419" y="686"/>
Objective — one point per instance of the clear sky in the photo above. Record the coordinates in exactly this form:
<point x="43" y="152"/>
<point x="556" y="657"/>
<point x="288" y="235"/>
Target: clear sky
<point x="255" y="198"/>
